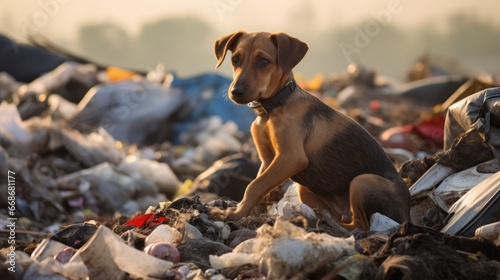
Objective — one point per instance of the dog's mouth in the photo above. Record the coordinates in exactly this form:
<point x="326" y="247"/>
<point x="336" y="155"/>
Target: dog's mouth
<point x="245" y="99"/>
<point x="239" y="101"/>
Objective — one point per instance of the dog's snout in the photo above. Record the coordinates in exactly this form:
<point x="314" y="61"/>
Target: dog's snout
<point x="238" y="90"/>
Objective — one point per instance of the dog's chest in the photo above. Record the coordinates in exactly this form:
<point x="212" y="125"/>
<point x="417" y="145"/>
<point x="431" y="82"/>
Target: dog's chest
<point x="270" y="132"/>
<point x="262" y="131"/>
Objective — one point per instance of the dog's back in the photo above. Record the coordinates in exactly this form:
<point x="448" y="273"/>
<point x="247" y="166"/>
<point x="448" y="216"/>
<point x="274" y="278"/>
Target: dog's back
<point x="339" y="149"/>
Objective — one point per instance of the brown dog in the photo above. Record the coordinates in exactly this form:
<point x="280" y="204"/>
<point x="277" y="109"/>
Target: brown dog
<point x="339" y="166"/>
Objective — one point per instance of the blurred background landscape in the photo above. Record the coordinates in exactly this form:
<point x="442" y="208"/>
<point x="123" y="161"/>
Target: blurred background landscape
<point x="388" y="35"/>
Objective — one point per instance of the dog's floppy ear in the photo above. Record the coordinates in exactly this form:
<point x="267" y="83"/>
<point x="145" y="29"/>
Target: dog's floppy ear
<point x="223" y="44"/>
<point x="290" y="50"/>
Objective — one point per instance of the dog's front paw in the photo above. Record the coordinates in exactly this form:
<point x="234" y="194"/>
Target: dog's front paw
<point x="230" y="213"/>
<point x="217" y="214"/>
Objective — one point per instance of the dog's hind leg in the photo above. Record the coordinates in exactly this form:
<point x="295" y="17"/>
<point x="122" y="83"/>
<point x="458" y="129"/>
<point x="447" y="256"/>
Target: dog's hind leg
<point x="371" y="193"/>
<point x="314" y="201"/>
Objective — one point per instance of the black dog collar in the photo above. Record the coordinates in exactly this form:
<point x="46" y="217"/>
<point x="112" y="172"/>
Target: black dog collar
<point x="266" y="105"/>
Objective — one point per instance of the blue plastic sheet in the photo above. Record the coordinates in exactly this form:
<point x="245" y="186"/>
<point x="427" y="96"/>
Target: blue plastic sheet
<point x="144" y="112"/>
<point x="207" y="96"/>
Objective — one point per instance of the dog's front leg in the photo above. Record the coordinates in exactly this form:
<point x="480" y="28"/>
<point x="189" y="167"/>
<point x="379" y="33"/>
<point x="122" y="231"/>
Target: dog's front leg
<point x="263" y="166"/>
<point x="281" y="168"/>
<point x="282" y="153"/>
<point x="263" y="145"/>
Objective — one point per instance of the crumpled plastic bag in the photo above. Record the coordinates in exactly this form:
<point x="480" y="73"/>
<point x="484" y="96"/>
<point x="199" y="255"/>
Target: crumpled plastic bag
<point x="61" y="75"/>
<point x="284" y="249"/>
<point x="108" y="257"/>
<point x="213" y="139"/>
<point x="476" y="208"/>
<point x="134" y="111"/>
<point x="7" y="86"/>
<point x="118" y="191"/>
<point x="11" y="125"/>
<point x="480" y="111"/>
<point x="290" y="205"/>
<point x="91" y="149"/>
<point x="144" y="169"/>
<point x="21" y="138"/>
<point x="50" y="268"/>
<point x="490" y="232"/>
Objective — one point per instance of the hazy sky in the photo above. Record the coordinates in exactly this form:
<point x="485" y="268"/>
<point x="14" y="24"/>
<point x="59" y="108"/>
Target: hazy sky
<point x="61" y="18"/>
<point x="60" y="22"/>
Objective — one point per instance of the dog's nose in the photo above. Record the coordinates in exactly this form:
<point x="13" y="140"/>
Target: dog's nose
<point x="238" y="90"/>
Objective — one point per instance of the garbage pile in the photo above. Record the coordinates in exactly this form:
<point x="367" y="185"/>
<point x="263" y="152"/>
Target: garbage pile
<point x="115" y="174"/>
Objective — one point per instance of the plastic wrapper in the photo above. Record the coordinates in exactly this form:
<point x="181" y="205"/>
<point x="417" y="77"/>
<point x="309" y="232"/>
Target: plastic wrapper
<point x="284" y="249"/>
<point x="480" y="111"/>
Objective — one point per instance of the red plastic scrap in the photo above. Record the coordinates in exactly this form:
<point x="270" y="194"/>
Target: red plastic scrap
<point x="431" y="129"/>
<point x="146" y="220"/>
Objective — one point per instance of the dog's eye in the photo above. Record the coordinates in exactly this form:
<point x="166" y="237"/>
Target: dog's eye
<point x="235" y="59"/>
<point x="262" y="62"/>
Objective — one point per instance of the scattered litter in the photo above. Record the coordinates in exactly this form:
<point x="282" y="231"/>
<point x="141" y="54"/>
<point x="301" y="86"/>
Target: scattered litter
<point x="379" y="222"/>
<point x="283" y="250"/>
<point x="164" y="251"/>
<point x="108" y="257"/>
<point x="150" y="170"/>
<point x="490" y="232"/>
<point x="477" y="207"/>
<point x="456" y="185"/>
<point x="164" y="234"/>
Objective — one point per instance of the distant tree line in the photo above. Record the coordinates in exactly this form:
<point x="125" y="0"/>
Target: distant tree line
<point x="184" y="45"/>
